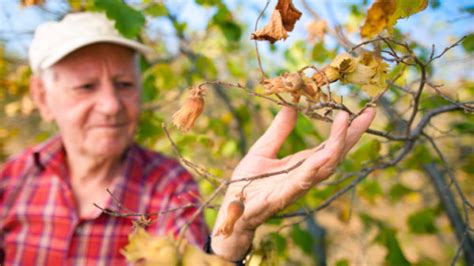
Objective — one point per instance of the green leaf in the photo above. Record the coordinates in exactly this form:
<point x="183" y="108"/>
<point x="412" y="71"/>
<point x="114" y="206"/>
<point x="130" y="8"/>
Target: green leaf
<point x="229" y="148"/>
<point x="305" y="128"/>
<point x="395" y="255"/>
<point x="205" y="140"/>
<point x="367" y="151"/>
<point x="165" y="78"/>
<point x="235" y="68"/>
<point x="279" y="241"/>
<point x="296" y="55"/>
<point x="468" y="9"/>
<point x="398" y="191"/>
<point x="342" y="262"/>
<point x="420" y="155"/>
<point x="210" y="217"/>
<point x="302" y="239"/>
<point x="435" y="4"/>
<point x="224" y="21"/>
<point x="370" y="189"/>
<point x="208" y="2"/>
<point x="425" y="261"/>
<point x="468" y="164"/>
<point x="422" y="222"/>
<point x="128" y="21"/>
<point x="468" y="43"/>
<point x="156" y="10"/>
<point x="231" y="30"/>
<point x="317" y="195"/>
<point x="206" y="67"/>
<point x="319" y="53"/>
<point x="406" y="8"/>
<point x="149" y="90"/>
<point x="464" y="127"/>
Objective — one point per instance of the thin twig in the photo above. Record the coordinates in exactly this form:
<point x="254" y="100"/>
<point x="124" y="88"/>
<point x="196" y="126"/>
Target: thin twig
<point x="260" y="67"/>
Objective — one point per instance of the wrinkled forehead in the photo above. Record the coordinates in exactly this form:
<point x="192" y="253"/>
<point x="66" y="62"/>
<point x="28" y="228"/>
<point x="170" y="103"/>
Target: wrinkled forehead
<point x="87" y="60"/>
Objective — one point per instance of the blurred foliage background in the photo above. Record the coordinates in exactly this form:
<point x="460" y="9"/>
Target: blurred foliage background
<point x="394" y="216"/>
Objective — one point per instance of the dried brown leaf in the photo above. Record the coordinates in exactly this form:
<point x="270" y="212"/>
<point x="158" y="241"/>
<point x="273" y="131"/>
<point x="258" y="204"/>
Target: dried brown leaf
<point x="273" y="31"/>
<point x="289" y="13"/>
<point x="288" y="82"/>
<point x="185" y="117"/>
<point x="327" y="74"/>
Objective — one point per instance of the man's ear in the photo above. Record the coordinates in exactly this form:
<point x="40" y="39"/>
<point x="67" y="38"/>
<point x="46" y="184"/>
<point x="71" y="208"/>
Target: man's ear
<point x="38" y="93"/>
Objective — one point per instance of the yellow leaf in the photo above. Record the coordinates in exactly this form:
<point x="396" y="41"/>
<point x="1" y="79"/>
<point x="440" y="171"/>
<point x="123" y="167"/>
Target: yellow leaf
<point x="371" y="90"/>
<point x="383" y="14"/>
<point x="369" y="72"/>
<point x="377" y="18"/>
<point x="150" y="250"/>
<point x="406" y="8"/>
<point x="345" y="63"/>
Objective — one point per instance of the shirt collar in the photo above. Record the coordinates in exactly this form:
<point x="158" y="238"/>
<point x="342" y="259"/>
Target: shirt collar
<point x="51" y="155"/>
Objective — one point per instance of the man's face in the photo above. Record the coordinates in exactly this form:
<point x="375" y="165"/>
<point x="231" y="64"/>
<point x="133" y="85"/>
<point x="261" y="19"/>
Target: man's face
<point x="94" y="97"/>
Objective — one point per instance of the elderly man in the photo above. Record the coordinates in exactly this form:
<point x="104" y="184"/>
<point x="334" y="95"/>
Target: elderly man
<point x="86" y="80"/>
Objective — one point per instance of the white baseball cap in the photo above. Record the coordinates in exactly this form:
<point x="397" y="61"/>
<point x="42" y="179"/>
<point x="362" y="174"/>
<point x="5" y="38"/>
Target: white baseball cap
<point x="54" y="40"/>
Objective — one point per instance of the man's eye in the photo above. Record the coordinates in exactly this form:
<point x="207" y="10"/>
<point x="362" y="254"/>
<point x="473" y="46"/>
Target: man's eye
<point x="87" y="86"/>
<point x="124" y="84"/>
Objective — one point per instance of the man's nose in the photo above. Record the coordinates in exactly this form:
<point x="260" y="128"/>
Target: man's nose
<point x="109" y="101"/>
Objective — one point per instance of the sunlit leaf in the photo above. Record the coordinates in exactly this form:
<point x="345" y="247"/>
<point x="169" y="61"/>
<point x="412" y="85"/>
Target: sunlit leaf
<point x="208" y="2"/>
<point x="319" y="52"/>
<point x="229" y="148"/>
<point x="156" y="10"/>
<point x="468" y="43"/>
<point x="128" y="21"/>
<point x="377" y="18"/>
<point x="383" y="14"/>
<point x="150" y="250"/>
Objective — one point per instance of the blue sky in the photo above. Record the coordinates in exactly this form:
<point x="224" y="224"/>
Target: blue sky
<point x="17" y="24"/>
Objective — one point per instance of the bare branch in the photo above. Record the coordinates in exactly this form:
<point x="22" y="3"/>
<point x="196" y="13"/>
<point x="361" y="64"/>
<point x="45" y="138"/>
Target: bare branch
<point x="262" y="72"/>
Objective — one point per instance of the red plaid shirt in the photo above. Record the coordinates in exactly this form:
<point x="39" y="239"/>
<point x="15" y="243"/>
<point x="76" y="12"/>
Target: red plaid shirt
<point x="39" y="221"/>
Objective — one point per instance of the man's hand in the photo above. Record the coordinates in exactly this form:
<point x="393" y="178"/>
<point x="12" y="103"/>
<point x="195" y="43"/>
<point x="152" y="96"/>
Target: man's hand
<point x="265" y="197"/>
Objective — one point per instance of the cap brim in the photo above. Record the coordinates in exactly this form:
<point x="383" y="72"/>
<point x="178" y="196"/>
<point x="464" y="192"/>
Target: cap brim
<point x="71" y="47"/>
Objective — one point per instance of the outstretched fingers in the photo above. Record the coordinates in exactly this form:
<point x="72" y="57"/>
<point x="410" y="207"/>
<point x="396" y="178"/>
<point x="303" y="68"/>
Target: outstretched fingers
<point x="270" y="142"/>
<point x="323" y="162"/>
<point x="358" y="127"/>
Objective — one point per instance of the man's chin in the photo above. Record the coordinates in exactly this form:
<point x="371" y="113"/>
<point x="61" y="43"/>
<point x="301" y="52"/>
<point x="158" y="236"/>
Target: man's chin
<point x="106" y="148"/>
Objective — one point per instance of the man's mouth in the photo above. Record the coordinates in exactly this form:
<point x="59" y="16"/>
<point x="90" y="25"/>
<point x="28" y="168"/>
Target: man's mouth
<point x="110" y="126"/>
